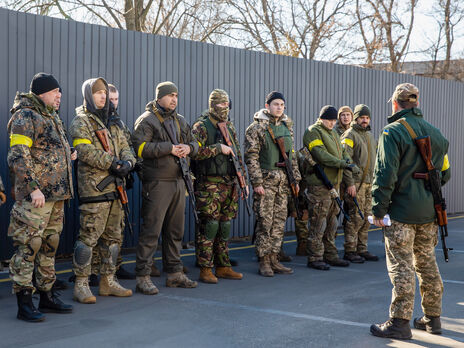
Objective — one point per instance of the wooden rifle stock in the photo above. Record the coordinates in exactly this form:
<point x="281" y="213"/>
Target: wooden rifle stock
<point x="102" y="135"/>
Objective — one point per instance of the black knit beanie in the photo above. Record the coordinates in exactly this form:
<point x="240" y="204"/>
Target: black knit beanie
<point x="274" y="95"/>
<point x="42" y="83"/>
<point x="328" y="112"/>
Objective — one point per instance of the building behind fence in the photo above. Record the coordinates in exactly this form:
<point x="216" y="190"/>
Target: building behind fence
<point x="135" y="62"/>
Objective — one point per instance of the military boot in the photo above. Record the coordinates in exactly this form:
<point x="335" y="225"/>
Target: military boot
<point x="109" y="286"/>
<point x="393" y="328"/>
<point x="206" y="276"/>
<point x="337" y="262"/>
<point x="60" y="285"/>
<point x="154" y="272"/>
<point x="320" y="265"/>
<point x="81" y="292"/>
<point x="430" y="324"/>
<point x="179" y="280"/>
<point x="123" y="273"/>
<point x="282" y="257"/>
<point x="353" y="257"/>
<point x="145" y="286"/>
<point x="277" y="267"/>
<point x="301" y="248"/>
<point x="50" y="303"/>
<point x="26" y="308"/>
<point x="368" y="256"/>
<point x="265" y="266"/>
<point x="227" y="273"/>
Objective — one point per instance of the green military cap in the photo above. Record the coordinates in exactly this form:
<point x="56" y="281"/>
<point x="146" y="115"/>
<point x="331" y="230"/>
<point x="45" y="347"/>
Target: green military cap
<point x="361" y="110"/>
<point x="165" y="88"/>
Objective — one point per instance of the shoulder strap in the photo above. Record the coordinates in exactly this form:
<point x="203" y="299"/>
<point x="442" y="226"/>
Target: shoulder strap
<point x="408" y="128"/>
<point x="161" y="119"/>
<point x="271" y="133"/>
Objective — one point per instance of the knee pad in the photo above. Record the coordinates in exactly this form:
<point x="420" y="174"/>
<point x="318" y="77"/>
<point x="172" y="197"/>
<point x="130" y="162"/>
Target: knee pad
<point x="211" y="229"/>
<point x="82" y="254"/>
<point x="51" y="244"/>
<point x="114" y="251"/>
<point x="33" y="247"/>
<point x="225" y="229"/>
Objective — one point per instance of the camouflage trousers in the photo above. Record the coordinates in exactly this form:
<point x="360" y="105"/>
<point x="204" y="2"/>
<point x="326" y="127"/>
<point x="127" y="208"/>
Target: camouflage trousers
<point x="301" y="230"/>
<point x="411" y="248"/>
<point x="301" y="225"/>
<point x="356" y="229"/>
<point x="36" y="235"/>
<point x="101" y="223"/>
<point x="271" y="212"/>
<point x="96" y="259"/>
<point x="323" y="224"/>
<point x="217" y="204"/>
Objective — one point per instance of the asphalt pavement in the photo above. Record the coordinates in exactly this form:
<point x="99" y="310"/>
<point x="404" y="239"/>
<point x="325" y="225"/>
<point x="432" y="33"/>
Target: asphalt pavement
<point x="309" y="308"/>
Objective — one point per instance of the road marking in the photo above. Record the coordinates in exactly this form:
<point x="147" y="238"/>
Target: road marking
<point x="264" y="310"/>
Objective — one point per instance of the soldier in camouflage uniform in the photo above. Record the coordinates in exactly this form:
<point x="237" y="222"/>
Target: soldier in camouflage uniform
<point x="325" y="148"/>
<point x="344" y="119"/>
<point x="411" y="239"/>
<point x="305" y="166"/>
<point x="40" y="162"/>
<point x="114" y="118"/>
<point x="101" y="212"/>
<point x="215" y="189"/>
<point x="163" y="188"/>
<point x="270" y="183"/>
<point x="360" y="144"/>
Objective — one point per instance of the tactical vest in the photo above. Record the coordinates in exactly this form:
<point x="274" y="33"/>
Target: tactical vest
<point x="219" y="165"/>
<point x="270" y="154"/>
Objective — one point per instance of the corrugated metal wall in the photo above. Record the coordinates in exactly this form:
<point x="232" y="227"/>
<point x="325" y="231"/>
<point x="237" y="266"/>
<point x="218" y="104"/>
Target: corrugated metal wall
<point x="136" y="62"/>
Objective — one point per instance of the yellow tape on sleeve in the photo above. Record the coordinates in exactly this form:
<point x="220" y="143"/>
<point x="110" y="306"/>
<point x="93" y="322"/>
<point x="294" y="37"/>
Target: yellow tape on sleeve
<point x="348" y="142"/>
<point x="78" y="141"/>
<point x="446" y="163"/>
<point x="139" y="152"/>
<point x="19" y="139"/>
<point x="314" y="143"/>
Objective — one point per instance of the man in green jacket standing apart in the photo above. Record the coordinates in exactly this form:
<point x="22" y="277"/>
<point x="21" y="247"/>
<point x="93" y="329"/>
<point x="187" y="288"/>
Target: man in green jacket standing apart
<point x="324" y="145"/>
<point x="360" y="144"/>
<point x="410" y="240"/>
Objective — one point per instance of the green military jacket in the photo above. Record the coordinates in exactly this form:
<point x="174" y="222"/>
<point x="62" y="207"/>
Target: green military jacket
<point x="394" y="190"/>
<point x="39" y="155"/>
<point x="257" y="145"/>
<point x="361" y="145"/>
<point x="209" y="161"/>
<point x="94" y="161"/>
<point x="153" y="145"/>
<point x="326" y="149"/>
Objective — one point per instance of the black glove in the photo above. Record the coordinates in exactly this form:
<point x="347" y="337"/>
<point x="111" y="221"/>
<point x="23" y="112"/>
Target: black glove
<point x="354" y="168"/>
<point x="123" y="170"/>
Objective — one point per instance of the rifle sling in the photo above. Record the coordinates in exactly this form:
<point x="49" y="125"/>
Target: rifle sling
<point x="408" y="128"/>
<point x="161" y="119"/>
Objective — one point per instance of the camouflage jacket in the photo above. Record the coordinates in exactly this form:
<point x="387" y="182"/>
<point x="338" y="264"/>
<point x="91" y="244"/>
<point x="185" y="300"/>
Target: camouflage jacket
<point x="153" y="145"/>
<point x="361" y="146"/>
<point x="39" y="155"/>
<point x="254" y="144"/>
<point x="94" y="162"/>
<point x="2" y="187"/>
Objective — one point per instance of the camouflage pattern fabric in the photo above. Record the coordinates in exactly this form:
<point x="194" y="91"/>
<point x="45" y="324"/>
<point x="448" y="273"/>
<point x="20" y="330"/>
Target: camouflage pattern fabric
<point x="40" y="155"/>
<point x="411" y="248"/>
<point x="323" y="224"/>
<point x="219" y="202"/>
<point x="356" y="230"/>
<point x="100" y="223"/>
<point x="271" y="212"/>
<point x="96" y="259"/>
<point x="35" y="233"/>
<point x="2" y="187"/>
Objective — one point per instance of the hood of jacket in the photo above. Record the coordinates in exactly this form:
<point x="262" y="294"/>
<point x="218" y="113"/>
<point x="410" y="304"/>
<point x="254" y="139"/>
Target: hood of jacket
<point x="264" y="115"/>
<point x="88" y="99"/>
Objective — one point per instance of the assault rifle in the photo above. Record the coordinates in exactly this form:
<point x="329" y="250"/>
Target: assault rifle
<point x="433" y="182"/>
<point x="287" y="164"/>
<point x="102" y="135"/>
<point x="184" y="166"/>
<point x="222" y="126"/>
<point x="333" y="192"/>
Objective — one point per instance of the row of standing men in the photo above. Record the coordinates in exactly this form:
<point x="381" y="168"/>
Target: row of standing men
<point x="40" y="162"/>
